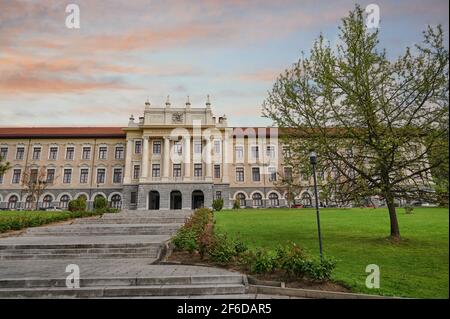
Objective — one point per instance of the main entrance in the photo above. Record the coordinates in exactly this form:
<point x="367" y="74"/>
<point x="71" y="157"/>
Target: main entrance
<point x="153" y="200"/>
<point x="198" y="199"/>
<point x="175" y="200"/>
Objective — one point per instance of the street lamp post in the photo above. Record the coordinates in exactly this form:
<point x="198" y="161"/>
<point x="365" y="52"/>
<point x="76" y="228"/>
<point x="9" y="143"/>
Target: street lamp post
<point x="313" y="161"/>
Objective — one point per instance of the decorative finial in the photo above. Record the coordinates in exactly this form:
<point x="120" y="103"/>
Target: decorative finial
<point x="188" y="103"/>
<point x="208" y="102"/>
<point x="168" y="101"/>
<point x="147" y="102"/>
<point x="131" y="117"/>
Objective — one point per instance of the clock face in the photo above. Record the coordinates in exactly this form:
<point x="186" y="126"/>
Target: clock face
<point x="177" y="117"/>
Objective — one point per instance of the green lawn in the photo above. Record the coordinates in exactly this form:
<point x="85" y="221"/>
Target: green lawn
<point x="417" y="267"/>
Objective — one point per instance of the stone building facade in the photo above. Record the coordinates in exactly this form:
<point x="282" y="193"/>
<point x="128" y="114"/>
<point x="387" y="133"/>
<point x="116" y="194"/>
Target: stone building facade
<point x="169" y="158"/>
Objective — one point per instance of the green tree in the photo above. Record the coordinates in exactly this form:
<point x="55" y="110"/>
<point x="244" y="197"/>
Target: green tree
<point x="4" y="166"/>
<point x="372" y="120"/>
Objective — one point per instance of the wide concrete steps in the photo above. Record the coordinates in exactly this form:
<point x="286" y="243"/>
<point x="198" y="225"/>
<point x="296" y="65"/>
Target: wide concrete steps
<point x="135" y="220"/>
<point x="124" y="287"/>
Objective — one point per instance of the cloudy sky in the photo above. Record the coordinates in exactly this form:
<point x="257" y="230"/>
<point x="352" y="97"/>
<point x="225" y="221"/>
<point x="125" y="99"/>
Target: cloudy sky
<point x="126" y="51"/>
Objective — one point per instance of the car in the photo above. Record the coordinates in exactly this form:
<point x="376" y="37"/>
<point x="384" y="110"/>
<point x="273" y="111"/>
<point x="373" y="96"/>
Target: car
<point x="53" y="209"/>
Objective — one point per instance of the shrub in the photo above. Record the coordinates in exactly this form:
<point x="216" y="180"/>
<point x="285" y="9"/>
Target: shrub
<point x="239" y="246"/>
<point x="222" y="249"/>
<point x="260" y="261"/>
<point x="185" y="239"/>
<point x="77" y="205"/>
<point x="321" y="270"/>
<point x="100" y="202"/>
<point x="236" y="205"/>
<point x="409" y="209"/>
<point x="218" y="204"/>
<point x="292" y="259"/>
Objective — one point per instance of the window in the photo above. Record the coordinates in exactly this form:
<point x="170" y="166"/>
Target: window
<point x="1" y="178"/>
<point x="29" y="202"/>
<point x="255" y="152"/>
<point x="16" y="176"/>
<point x="53" y="153"/>
<point x="137" y="147"/>
<point x="239" y="174"/>
<point x="156" y="170"/>
<point x="36" y="153"/>
<point x="273" y="200"/>
<point x="70" y="153"/>
<point x="257" y="199"/>
<point x="270" y="151"/>
<point x="156" y="147"/>
<point x="20" y="154"/>
<point x="101" y="174"/>
<point x="84" y="176"/>
<point x="255" y="174"/>
<point x="133" y="198"/>
<point x="67" y="177"/>
<point x="241" y="198"/>
<point x="239" y="150"/>
<point x="4" y="153"/>
<point x="136" y="171"/>
<point x="116" y="201"/>
<point x="120" y="153"/>
<point x="103" y="152"/>
<point x="197" y="170"/>
<point x="177" y="149"/>
<point x="218" y="195"/>
<point x="216" y="171"/>
<point x="50" y="175"/>
<point x="217" y="147"/>
<point x="288" y="173"/>
<point x="86" y="153"/>
<point x="46" y="201"/>
<point x="176" y="170"/>
<point x="117" y="176"/>
<point x="286" y="151"/>
<point x="64" y="201"/>
<point x="12" y="202"/>
<point x="33" y="176"/>
<point x="272" y="174"/>
<point x="197" y="147"/>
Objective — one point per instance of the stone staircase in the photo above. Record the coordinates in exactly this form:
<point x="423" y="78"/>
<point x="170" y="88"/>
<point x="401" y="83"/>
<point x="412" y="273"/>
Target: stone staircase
<point x="116" y="254"/>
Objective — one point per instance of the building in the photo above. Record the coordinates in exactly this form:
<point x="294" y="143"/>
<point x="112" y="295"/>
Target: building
<point x="170" y="158"/>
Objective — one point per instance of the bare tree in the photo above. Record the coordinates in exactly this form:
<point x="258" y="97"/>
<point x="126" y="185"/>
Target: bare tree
<point x="34" y="182"/>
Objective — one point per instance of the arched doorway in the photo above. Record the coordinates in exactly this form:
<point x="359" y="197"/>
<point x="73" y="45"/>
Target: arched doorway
<point x="306" y="199"/>
<point x="153" y="200"/>
<point x="198" y="199"/>
<point x="12" y="202"/>
<point x="116" y="201"/>
<point x="175" y="200"/>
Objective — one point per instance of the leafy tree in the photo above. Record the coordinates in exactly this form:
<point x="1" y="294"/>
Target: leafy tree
<point x="4" y="166"/>
<point x="372" y="120"/>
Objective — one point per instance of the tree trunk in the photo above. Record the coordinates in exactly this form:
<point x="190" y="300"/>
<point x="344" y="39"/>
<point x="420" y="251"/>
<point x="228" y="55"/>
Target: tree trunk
<point x="395" y="231"/>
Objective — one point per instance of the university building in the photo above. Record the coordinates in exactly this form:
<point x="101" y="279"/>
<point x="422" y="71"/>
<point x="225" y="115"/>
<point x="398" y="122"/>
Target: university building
<point x="169" y="158"/>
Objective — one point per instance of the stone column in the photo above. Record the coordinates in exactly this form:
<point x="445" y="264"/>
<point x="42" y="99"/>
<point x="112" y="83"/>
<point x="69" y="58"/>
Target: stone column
<point x="166" y="157"/>
<point x="145" y="151"/>
<point x="208" y="160"/>
<point x="128" y="164"/>
<point x="225" y="177"/>
<point x="187" y="156"/>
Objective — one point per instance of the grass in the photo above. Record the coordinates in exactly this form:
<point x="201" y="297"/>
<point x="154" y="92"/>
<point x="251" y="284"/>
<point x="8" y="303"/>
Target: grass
<point x="357" y="237"/>
<point x="16" y="220"/>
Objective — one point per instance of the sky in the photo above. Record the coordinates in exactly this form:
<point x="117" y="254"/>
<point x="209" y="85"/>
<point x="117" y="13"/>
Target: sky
<point x="126" y="52"/>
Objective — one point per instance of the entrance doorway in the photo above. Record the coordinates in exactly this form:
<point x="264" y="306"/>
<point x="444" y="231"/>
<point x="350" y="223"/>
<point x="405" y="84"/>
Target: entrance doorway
<point x="198" y="199"/>
<point x="175" y="200"/>
<point x="153" y="200"/>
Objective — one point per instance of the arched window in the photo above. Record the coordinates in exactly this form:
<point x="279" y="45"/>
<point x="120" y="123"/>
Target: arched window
<point x="46" y="201"/>
<point x="116" y="201"/>
<point x="241" y="198"/>
<point x="29" y="202"/>
<point x="257" y="199"/>
<point x="64" y="201"/>
<point x="273" y="199"/>
<point x="83" y="197"/>
<point x="306" y="199"/>
<point x="12" y="202"/>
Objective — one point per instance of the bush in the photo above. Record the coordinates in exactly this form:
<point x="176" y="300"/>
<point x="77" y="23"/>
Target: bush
<point x="236" y="205"/>
<point x="222" y="249"/>
<point x="77" y="205"/>
<point x="218" y="204"/>
<point x="185" y="239"/>
<point x="100" y="202"/>
<point x="292" y="259"/>
<point x="263" y="262"/>
<point x="321" y="270"/>
<point x="409" y="209"/>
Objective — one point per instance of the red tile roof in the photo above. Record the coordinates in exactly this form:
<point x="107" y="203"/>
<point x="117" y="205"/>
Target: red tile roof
<point x="61" y="132"/>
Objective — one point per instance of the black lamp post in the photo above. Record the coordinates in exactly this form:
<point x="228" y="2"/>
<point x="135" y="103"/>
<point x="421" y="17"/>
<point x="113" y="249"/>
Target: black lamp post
<point x="313" y="161"/>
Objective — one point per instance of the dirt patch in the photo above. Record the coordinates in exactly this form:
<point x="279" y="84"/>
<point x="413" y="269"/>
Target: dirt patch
<point x="186" y="258"/>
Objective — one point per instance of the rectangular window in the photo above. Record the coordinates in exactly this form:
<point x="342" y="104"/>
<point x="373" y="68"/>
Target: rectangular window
<point x="197" y="147"/>
<point x="117" y="176"/>
<point x="4" y="153"/>
<point x="272" y="174"/>
<point x="103" y="153"/>
<point x="288" y="173"/>
<point x="20" y="154"/>
<point x="133" y="198"/>
<point x="255" y="152"/>
<point x="101" y="175"/>
<point x="36" y="153"/>
<point x="16" y="176"/>
<point x="239" y="150"/>
<point x="177" y="148"/>
<point x="156" y="147"/>
<point x="1" y="178"/>
<point x="286" y="152"/>
<point x="50" y="175"/>
<point x="156" y="170"/>
<point x="136" y="171"/>
<point x="138" y="147"/>
<point x="270" y="151"/>
<point x="70" y="153"/>
<point x="216" y="171"/>
<point x="33" y="176"/>
<point x="86" y="153"/>
<point x="84" y="175"/>
<point x="239" y="174"/>
<point x="67" y="177"/>
<point x="176" y="170"/>
<point x="120" y="153"/>
<point x="218" y="194"/>
<point x="53" y="153"/>
<point x="255" y="174"/>
<point x="197" y="170"/>
<point x="217" y="147"/>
